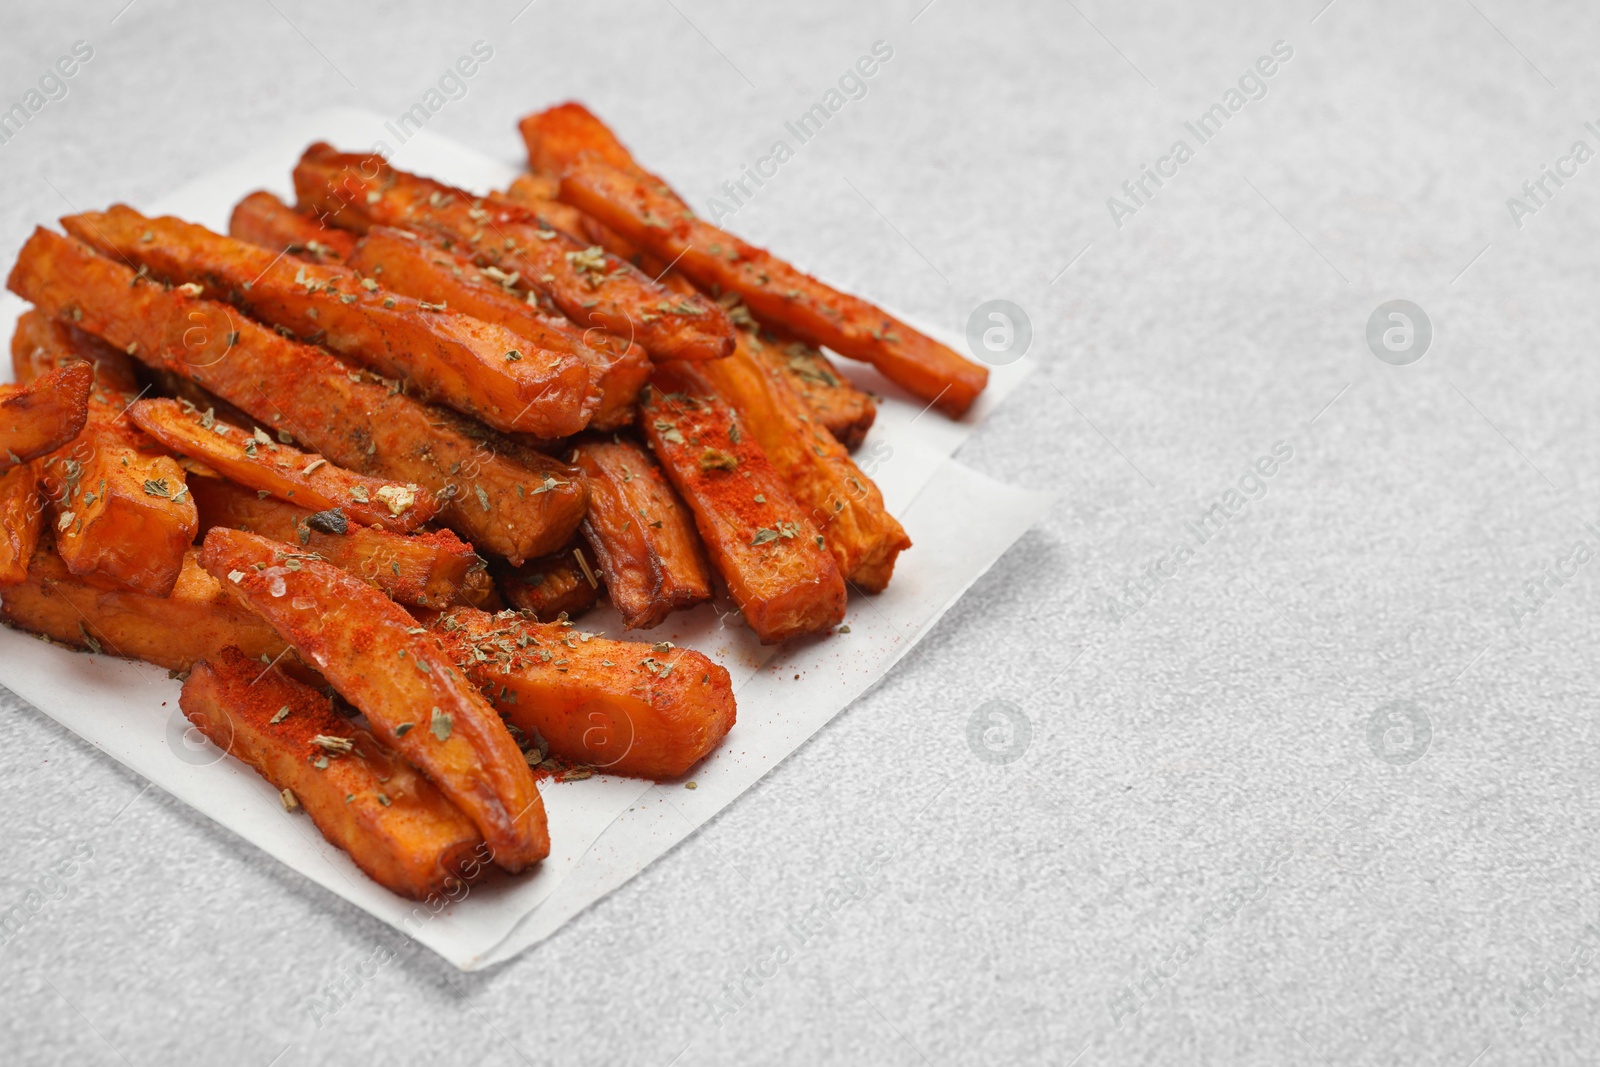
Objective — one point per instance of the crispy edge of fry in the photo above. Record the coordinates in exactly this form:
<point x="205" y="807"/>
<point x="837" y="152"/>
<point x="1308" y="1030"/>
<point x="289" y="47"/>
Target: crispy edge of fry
<point x="368" y="802"/>
<point x="196" y="620"/>
<point x="839" y="498"/>
<point x="624" y="707"/>
<point x="262" y="219"/>
<point x="44" y="414"/>
<point x="642" y="535"/>
<point x="475" y="367"/>
<point x="774" y="290"/>
<point x="370" y="650"/>
<point x="774" y="561"/>
<point x="588" y="285"/>
<point x="434" y="570"/>
<point x="354" y="418"/>
<point x="40" y="344"/>
<point x="552" y="587"/>
<point x="258" y="462"/>
<point x="424" y="270"/>
<point x="21" y="519"/>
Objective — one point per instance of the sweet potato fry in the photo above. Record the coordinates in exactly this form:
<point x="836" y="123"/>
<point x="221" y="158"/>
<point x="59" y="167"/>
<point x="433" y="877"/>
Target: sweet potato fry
<point x="536" y="188"/>
<point x="409" y="265"/>
<point x="641" y="534"/>
<point x="846" y="412"/>
<point x="258" y="462"/>
<point x="118" y="504"/>
<point x="263" y="219"/>
<point x="775" y="291"/>
<point x="170" y="384"/>
<point x="591" y="288"/>
<point x="21" y="517"/>
<point x="623" y="707"/>
<point x="196" y="621"/>
<point x="538" y="194"/>
<point x="830" y="398"/>
<point x="42" y="416"/>
<point x="476" y="368"/>
<point x="838" y="498"/>
<point x="364" y="798"/>
<point x="40" y="345"/>
<point x="504" y="498"/>
<point x="122" y="515"/>
<point x="550" y="587"/>
<point x="776" y="564"/>
<point x="415" y="702"/>
<point x="561" y="134"/>
<point x="432" y="570"/>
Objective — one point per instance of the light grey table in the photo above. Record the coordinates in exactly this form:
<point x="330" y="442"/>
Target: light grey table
<point x="1320" y="792"/>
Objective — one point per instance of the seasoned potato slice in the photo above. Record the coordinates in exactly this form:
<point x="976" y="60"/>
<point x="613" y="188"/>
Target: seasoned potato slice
<point x="365" y="798"/>
<point x="410" y="265"/>
<point x="776" y="564"/>
<point x="431" y="570"/>
<point x="263" y="219"/>
<point x="195" y="621"/>
<point x="624" y="707"/>
<point x="551" y="587"/>
<point x="21" y="518"/>
<point x="591" y="288"/>
<point x="260" y="462"/>
<point x="43" y="415"/>
<point x="641" y="534"/>
<point x="374" y="654"/>
<point x="475" y="367"/>
<point x="504" y="498"/>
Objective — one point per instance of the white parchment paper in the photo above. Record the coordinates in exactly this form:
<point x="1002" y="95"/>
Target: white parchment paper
<point x="603" y="830"/>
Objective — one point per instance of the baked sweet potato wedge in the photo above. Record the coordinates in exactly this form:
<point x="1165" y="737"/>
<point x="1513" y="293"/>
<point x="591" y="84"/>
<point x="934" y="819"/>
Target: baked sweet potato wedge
<point x="121" y="514"/>
<point x="535" y="188"/>
<point x="553" y="213"/>
<point x="559" y="135"/>
<point x="195" y="621"/>
<point x="364" y="798"/>
<point x="117" y="503"/>
<point x="431" y="570"/>
<point x="40" y="345"/>
<point x="642" y="536"/>
<point x="262" y="219"/>
<point x="775" y="291"/>
<point x="43" y="415"/>
<point x="258" y="461"/>
<point x="537" y="192"/>
<point x="830" y="398"/>
<point x="21" y="518"/>
<point x="838" y="498"/>
<point x="505" y="499"/>
<point x="549" y="588"/>
<point x="833" y="400"/>
<point x="408" y="264"/>
<point x="776" y="564"/>
<point x="373" y="653"/>
<point x="357" y="192"/>
<point x="476" y="368"/>
<point x="650" y="711"/>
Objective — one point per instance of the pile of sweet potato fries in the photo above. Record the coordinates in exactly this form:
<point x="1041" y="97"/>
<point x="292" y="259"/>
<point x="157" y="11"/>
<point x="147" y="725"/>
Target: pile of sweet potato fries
<point x="351" y="469"/>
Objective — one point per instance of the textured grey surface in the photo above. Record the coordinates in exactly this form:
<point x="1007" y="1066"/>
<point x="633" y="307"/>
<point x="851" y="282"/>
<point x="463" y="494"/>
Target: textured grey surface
<point x="1199" y="859"/>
